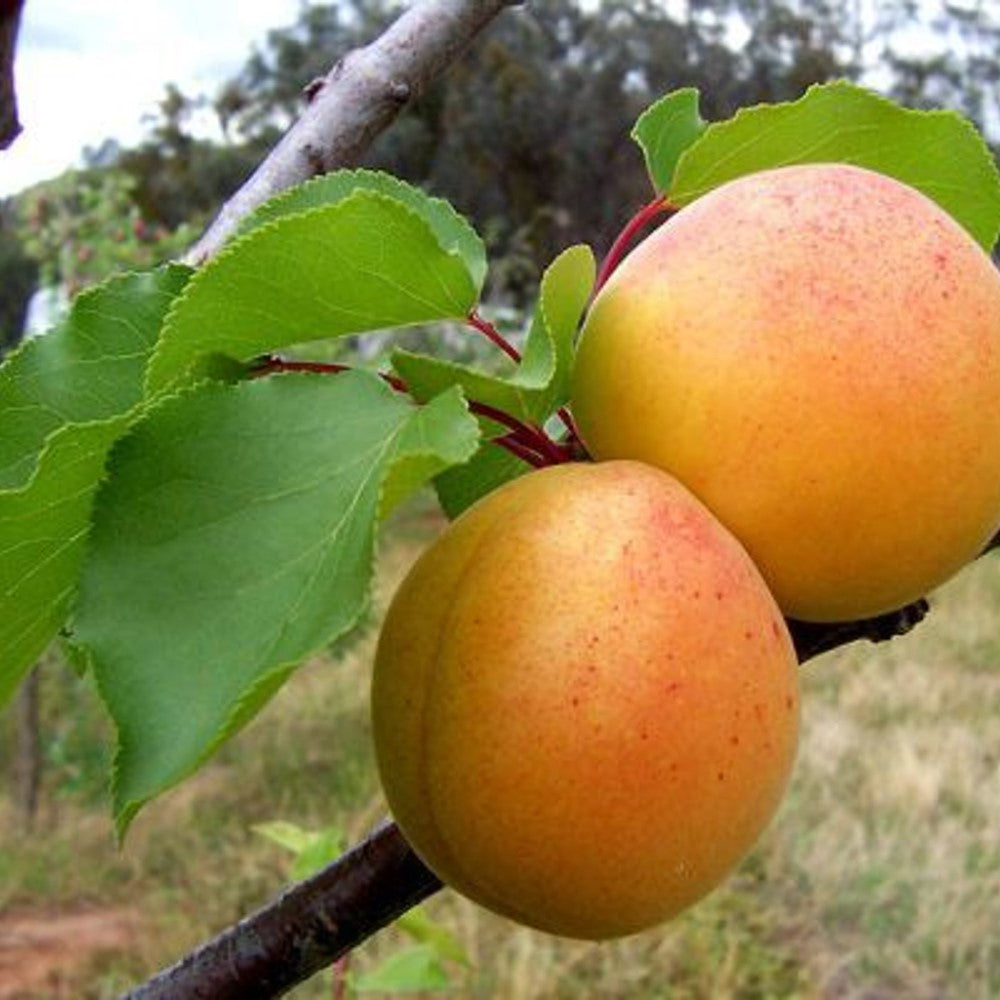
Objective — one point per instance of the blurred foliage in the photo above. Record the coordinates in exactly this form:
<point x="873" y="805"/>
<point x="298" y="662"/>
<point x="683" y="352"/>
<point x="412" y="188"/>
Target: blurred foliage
<point x="85" y="225"/>
<point x="180" y="178"/>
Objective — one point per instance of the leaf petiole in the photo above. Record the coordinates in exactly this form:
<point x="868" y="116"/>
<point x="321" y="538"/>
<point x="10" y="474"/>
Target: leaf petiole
<point x="488" y="330"/>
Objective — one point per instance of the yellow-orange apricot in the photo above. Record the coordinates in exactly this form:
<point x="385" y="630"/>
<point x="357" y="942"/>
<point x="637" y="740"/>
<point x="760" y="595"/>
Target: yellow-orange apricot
<point x="585" y="701"/>
<point x="814" y="351"/>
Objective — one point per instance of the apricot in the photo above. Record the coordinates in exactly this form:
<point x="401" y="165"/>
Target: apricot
<point x="814" y="351"/>
<point x="585" y="701"/>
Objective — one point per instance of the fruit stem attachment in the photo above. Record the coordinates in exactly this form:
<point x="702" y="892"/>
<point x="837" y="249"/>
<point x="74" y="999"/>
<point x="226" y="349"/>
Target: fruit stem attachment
<point x="661" y="205"/>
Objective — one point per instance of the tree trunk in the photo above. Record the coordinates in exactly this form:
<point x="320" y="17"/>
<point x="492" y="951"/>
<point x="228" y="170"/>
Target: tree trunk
<point x="27" y="752"/>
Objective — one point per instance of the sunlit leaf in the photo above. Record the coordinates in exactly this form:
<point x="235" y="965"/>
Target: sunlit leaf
<point x="937" y="152"/>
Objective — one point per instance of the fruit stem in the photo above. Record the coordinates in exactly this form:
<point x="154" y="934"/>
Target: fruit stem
<point x="660" y="205"/>
<point x="485" y="327"/>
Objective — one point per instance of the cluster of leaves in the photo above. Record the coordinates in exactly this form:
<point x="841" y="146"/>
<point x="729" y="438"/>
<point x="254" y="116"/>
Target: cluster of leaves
<point x="198" y="522"/>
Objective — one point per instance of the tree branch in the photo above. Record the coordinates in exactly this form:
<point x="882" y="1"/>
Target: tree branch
<point x="306" y="929"/>
<point x="359" y="97"/>
<point x="10" y="20"/>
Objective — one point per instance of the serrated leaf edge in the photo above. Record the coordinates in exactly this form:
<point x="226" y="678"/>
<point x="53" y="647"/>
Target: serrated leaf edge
<point x="253" y="221"/>
<point x="13" y="360"/>
<point x="914" y="114"/>
<point x="243" y="710"/>
<point x="237" y="245"/>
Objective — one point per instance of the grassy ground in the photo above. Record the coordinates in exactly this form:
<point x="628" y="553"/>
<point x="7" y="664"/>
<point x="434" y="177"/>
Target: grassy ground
<point x="879" y="879"/>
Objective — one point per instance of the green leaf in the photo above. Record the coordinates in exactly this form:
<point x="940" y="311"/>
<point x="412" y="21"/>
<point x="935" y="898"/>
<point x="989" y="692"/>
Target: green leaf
<point x="540" y="383"/>
<point x="461" y="486"/>
<point x="417" y="969"/>
<point x="324" y="847"/>
<point x="65" y="398"/>
<point x="235" y="537"/>
<point x="91" y="367"/>
<point x="938" y="152"/>
<point x="43" y="529"/>
<point x="453" y="232"/>
<point x="417" y="923"/>
<point x="291" y="836"/>
<point x="366" y="262"/>
<point x="664" y="130"/>
<point x="313" y="849"/>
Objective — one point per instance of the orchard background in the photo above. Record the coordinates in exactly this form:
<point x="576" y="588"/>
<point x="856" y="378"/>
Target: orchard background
<point x="881" y="878"/>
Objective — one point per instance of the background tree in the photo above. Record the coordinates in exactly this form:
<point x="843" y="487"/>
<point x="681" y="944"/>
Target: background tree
<point x="18" y="278"/>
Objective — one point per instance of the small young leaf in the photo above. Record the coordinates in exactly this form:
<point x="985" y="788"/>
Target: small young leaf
<point x="418" y="924"/>
<point x="91" y="367"/>
<point x="234" y="537"/>
<point x="417" y="969"/>
<point x="323" y="848"/>
<point x="937" y="152"/>
<point x="312" y="848"/>
<point x="453" y="232"/>
<point x="540" y="383"/>
<point x="366" y="262"/>
<point x="664" y="130"/>
<point x="291" y="836"/>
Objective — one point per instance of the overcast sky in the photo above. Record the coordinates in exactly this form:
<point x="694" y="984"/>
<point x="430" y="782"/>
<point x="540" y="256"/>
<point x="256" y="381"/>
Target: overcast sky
<point x="87" y="71"/>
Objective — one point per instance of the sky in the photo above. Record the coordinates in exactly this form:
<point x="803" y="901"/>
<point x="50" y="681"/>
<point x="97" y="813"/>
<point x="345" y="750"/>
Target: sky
<point x="89" y="71"/>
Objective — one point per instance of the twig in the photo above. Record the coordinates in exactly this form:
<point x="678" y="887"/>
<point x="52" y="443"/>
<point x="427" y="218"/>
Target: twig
<point x="812" y="639"/>
<point x="356" y="100"/>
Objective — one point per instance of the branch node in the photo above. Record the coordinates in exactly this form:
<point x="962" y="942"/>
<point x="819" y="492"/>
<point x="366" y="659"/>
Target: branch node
<point x="400" y="91"/>
<point x="313" y="157"/>
<point x="311" y="90"/>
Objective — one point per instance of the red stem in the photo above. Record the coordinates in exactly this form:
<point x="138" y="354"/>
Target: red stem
<point x="658" y="206"/>
<point x="529" y="435"/>
<point x="510" y="443"/>
<point x="340" y="968"/>
<point x="529" y="443"/>
<point x="486" y="328"/>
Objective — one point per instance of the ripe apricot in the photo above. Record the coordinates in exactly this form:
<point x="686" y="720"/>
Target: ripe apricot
<point x="585" y="701"/>
<point x="814" y="351"/>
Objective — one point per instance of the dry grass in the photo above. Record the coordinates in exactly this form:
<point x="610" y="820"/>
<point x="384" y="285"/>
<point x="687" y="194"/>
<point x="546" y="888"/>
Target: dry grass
<point x="879" y="879"/>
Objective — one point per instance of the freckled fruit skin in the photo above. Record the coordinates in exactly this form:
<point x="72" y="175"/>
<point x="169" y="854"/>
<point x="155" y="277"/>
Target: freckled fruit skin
<point x="814" y="351"/>
<point x="585" y="701"/>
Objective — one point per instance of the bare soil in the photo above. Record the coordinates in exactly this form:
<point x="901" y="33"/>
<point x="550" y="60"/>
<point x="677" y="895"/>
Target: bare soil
<point x="50" y="954"/>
